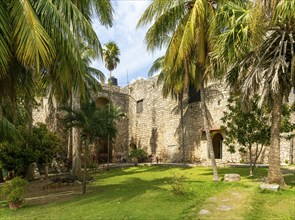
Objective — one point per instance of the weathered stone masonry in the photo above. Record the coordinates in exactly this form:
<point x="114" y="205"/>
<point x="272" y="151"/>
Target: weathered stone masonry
<point x="157" y="128"/>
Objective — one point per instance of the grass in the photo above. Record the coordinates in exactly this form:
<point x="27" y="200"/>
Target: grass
<point x="146" y="193"/>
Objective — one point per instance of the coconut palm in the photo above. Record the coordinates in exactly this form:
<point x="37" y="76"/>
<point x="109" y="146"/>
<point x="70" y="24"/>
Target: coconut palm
<point x="45" y="35"/>
<point x="185" y="27"/>
<point x="111" y="54"/>
<point x="94" y="124"/>
<point x="257" y="47"/>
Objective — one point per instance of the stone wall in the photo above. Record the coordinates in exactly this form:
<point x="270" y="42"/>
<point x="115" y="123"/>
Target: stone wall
<point x="157" y="128"/>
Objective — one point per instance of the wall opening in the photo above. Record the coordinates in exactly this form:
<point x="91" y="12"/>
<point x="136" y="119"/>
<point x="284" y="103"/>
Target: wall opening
<point x="139" y="106"/>
<point x="217" y="145"/>
<point x="101" y="102"/>
<point x="194" y="95"/>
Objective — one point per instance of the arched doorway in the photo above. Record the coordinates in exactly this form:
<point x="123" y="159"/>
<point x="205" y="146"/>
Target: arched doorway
<point x="217" y="145"/>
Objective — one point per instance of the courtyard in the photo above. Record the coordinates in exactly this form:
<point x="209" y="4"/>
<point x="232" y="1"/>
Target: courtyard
<point x="160" y="192"/>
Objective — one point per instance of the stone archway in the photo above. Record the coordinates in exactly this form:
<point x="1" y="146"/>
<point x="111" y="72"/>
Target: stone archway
<point x="217" y="145"/>
<point x="101" y="101"/>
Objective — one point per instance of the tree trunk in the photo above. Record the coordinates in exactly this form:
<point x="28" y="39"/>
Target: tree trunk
<point x="291" y="150"/>
<point x="85" y="165"/>
<point x="76" y="154"/>
<point x="182" y="127"/>
<point x="109" y="96"/>
<point x="30" y="172"/>
<point x="46" y="168"/>
<point x="1" y="176"/>
<point x="207" y="131"/>
<point x="257" y="154"/>
<point x="69" y="144"/>
<point x="250" y="158"/>
<point x="274" y="171"/>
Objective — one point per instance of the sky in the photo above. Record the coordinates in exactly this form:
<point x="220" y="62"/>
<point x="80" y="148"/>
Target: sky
<point x="135" y="60"/>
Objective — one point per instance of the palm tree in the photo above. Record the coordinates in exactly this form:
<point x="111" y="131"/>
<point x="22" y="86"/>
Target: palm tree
<point x="111" y="54"/>
<point x="94" y="124"/>
<point x="257" y="46"/>
<point x="52" y="45"/>
<point x="185" y="27"/>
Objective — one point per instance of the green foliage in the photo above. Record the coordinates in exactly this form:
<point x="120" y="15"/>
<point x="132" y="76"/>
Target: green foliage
<point x="95" y="123"/>
<point x="11" y="156"/>
<point x="42" y="144"/>
<point x="138" y="154"/>
<point x="14" y="189"/>
<point x="286" y="123"/>
<point x="46" y="142"/>
<point x="111" y="54"/>
<point x="245" y="127"/>
<point x="231" y="149"/>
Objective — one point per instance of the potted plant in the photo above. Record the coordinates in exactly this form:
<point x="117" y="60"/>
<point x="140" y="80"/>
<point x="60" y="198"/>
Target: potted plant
<point x="14" y="189"/>
<point x="138" y="155"/>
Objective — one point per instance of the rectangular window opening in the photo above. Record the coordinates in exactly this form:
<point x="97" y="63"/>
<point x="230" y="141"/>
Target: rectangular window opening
<point x="193" y="95"/>
<point x="139" y="106"/>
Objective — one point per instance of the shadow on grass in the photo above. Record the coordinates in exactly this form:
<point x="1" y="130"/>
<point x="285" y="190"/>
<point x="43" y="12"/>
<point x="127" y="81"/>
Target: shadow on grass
<point x="116" y="172"/>
<point x="125" y="191"/>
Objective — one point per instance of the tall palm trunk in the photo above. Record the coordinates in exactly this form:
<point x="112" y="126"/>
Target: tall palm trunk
<point x="85" y="165"/>
<point x="207" y="131"/>
<point x="182" y="127"/>
<point x="109" y="94"/>
<point x="29" y="108"/>
<point x="76" y="159"/>
<point x="274" y="171"/>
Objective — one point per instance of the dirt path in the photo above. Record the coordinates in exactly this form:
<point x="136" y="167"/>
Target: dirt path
<point x="38" y="193"/>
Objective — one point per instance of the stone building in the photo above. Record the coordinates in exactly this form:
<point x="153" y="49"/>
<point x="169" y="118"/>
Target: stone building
<point x="153" y="123"/>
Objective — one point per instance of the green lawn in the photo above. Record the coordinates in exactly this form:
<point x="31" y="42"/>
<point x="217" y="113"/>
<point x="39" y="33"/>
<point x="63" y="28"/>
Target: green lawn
<point x="145" y="193"/>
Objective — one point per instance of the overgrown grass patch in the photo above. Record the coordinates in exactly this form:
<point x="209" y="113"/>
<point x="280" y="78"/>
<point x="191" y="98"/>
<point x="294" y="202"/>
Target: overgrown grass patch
<point x="147" y="193"/>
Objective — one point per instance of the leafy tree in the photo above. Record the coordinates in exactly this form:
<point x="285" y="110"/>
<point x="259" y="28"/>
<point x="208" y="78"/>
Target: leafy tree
<point x="47" y="142"/>
<point x="94" y="124"/>
<point x="39" y="146"/>
<point x="256" y="48"/>
<point x="287" y="127"/>
<point x="247" y="128"/>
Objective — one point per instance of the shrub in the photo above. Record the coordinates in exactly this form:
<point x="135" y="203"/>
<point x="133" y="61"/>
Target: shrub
<point x="15" y="189"/>
<point x="139" y="154"/>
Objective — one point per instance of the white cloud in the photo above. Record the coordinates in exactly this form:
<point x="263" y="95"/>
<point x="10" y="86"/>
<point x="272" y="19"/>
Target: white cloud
<point x="134" y="58"/>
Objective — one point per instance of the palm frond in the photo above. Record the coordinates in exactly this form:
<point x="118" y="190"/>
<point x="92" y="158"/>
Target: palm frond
<point x="34" y="46"/>
<point x="104" y="11"/>
<point x="5" y="39"/>
<point x="8" y="132"/>
<point x="157" y="65"/>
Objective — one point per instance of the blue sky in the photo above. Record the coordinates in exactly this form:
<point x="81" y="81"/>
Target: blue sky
<point x="134" y="59"/>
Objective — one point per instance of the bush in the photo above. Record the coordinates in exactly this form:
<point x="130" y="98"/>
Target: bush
<point x="177" y="185"/>
<point x="138" y="154"/>
<point x="15" y="189"/>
